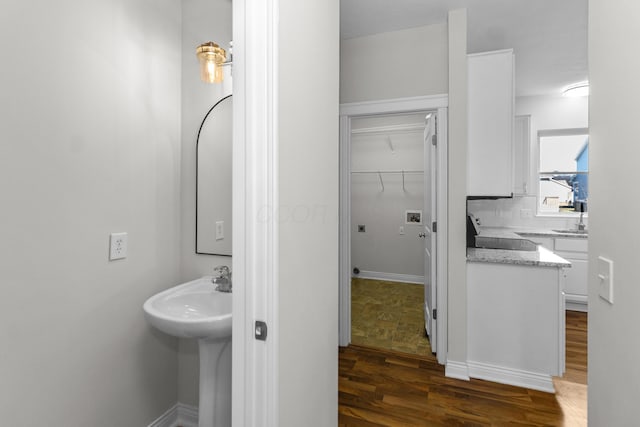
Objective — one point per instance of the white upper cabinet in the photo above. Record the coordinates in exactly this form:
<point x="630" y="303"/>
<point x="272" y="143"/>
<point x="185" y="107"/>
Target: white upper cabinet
<point x="521" y="157"/>
<point x="490" y="111"/>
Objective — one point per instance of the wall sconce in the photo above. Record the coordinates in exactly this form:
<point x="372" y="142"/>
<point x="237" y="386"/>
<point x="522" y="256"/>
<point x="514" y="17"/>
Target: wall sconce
<point x="212" y="58"/>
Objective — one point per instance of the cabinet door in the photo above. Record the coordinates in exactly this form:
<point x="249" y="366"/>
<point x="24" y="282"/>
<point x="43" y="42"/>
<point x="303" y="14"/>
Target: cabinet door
<point x="521" y="156"/>
<point x="576" y="279"/>
<point x="490" y="119"/>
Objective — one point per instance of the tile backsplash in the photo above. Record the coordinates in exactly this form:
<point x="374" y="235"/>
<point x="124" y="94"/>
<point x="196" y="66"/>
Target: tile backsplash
<point x="517" y="212"/>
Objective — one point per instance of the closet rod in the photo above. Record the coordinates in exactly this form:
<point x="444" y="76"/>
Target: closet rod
<point x="391" y="171"/>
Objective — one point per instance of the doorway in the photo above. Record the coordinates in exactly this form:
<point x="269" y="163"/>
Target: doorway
<point x="387" y="217"/>
<point x="384" y="220"/>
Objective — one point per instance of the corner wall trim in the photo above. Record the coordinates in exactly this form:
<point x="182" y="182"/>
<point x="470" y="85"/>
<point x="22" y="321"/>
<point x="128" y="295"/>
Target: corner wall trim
<point x="458" y="370"/>
<point x="178" y="415"/>
<point x="391" y="277"/>
<point x="510" y="376"/>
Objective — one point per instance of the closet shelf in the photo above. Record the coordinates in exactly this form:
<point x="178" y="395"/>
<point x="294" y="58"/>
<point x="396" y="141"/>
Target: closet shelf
<point x="411" y="127"/>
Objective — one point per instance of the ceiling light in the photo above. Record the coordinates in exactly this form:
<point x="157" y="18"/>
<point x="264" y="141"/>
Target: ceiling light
<point x="578" y="89"/>
<point x="212" y="58"/>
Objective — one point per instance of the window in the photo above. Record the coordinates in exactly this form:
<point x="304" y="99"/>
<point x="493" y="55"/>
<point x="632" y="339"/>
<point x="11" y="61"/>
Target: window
<point x="563" y="171"/>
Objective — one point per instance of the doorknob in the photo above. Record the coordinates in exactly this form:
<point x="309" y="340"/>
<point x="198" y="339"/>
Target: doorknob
<point x="422" y="234"/>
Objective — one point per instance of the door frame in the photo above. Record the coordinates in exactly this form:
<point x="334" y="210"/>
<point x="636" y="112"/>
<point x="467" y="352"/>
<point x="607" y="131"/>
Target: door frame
<point x="348" y="112"/>
<point x="255" y="397"/>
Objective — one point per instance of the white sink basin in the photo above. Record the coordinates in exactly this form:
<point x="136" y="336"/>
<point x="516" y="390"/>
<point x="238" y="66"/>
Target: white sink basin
<point x="191" y="310"/>
<point x="196" y="310"/>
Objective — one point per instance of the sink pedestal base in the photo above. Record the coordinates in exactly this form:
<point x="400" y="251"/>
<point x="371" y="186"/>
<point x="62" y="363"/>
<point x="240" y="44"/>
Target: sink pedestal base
<point x="215" y="382"/>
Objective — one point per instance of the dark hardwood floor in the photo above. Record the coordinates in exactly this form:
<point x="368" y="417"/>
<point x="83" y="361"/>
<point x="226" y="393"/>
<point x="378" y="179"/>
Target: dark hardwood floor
<point x="387" y="388"/>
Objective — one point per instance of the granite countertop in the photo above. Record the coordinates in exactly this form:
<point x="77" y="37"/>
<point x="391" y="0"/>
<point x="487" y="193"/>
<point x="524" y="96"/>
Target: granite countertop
<point x="540" y="258"/>
<point x="533" y="232"/>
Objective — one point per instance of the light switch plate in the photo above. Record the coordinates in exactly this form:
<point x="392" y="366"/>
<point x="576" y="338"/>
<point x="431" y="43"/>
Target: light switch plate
<point x="219" y="230"/>
<point x="605" y="279"/>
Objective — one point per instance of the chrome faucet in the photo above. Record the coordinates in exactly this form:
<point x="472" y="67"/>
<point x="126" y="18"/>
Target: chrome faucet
<point x="581" y="225"/>
<point x="222" y="278"/>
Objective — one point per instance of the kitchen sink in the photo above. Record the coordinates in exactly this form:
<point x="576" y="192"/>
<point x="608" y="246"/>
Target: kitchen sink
<point x="505" y="243"/>
<point x="572" y="231"/>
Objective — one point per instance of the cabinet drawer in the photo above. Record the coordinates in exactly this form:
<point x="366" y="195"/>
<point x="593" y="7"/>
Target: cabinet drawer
<point x="572" y="245"/>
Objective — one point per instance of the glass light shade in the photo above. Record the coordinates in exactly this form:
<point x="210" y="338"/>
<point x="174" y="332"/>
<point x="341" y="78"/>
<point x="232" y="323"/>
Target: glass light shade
<point x="578" y="89"/>
<point x="211" y="57"/>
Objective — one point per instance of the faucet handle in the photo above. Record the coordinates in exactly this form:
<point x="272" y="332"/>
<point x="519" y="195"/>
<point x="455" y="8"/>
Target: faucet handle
<point x="222" y="271"/>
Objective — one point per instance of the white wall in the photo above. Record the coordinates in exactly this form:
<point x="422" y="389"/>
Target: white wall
<point x="396" y="64"/>
<point x="308" y="177"/>
<point x="547" y="113"/>
<point x="90" y="145"/>
<point x="202" y="21"/>
<point x="381" y="248"/>
<point x="457" y="270"/>
<point x="614" y="352"/>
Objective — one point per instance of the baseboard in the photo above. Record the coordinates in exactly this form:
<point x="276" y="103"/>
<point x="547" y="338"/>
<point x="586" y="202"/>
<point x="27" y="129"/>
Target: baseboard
<point x="458" y="370"/>
<point x="180" y="415"/>
<point x="391" y="277"/>
<point x="510" y="376"/>
<point x="576" y="306"/>
<point x="187" y="415"/>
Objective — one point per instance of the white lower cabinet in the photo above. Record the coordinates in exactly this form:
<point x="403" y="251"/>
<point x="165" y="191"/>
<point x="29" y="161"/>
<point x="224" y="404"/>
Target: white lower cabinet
<point x="576" y="251"/>
<point x="516" y="324"/>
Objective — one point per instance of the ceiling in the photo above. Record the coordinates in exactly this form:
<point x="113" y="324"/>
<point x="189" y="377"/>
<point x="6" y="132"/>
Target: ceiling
<point x="549" y="37"/>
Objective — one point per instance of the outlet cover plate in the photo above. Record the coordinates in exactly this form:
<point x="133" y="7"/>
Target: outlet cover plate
<point x="117" y="246"/>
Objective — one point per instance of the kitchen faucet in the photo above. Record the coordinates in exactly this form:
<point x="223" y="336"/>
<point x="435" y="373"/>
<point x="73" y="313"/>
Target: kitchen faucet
<point x="581" y="225"/>
<point x="222" y="278"/>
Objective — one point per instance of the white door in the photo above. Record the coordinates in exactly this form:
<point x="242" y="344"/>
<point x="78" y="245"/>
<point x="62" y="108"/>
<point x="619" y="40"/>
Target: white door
<point x="429" y="221"/>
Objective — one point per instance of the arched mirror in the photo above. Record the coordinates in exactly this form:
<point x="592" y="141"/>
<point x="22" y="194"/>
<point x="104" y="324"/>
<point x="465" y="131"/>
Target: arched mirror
<point x="213" y="180"/>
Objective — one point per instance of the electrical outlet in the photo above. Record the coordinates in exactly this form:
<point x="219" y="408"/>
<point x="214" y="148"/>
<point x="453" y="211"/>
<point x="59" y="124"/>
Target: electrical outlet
<point x="219" y="230"/>
<point x="401" y="230"/>
<point x="526" y="213"/>
<point x="118" y="246"/>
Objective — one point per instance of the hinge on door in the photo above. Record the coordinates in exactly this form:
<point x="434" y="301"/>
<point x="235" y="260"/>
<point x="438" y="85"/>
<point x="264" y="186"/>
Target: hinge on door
<point x="434" y="139"/>
<point x="434" y="227"/>
<point x="435" y="314"/>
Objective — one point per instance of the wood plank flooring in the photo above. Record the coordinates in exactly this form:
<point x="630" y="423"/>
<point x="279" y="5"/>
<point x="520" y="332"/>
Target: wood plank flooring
<point x="388" y="388"/>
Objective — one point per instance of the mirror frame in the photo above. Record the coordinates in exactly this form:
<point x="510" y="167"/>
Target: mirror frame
<point x="197" y="163"/>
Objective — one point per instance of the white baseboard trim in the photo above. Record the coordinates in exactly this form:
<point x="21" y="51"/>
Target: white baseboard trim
<point x="179" y="415"/>
<point x="516" y="377"/>
<point x="458" y="370"/>
<point x="576" y="306"/>
<point x="391" y="277"/>
<point x="187" y="415"/>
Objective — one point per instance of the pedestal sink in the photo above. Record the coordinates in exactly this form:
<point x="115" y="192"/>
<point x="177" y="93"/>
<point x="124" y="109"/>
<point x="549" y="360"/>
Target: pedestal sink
<point x="196" y="310"/>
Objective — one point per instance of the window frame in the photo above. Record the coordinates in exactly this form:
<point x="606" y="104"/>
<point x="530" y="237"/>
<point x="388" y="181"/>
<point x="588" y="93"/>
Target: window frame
<point x="545" y="133"/>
